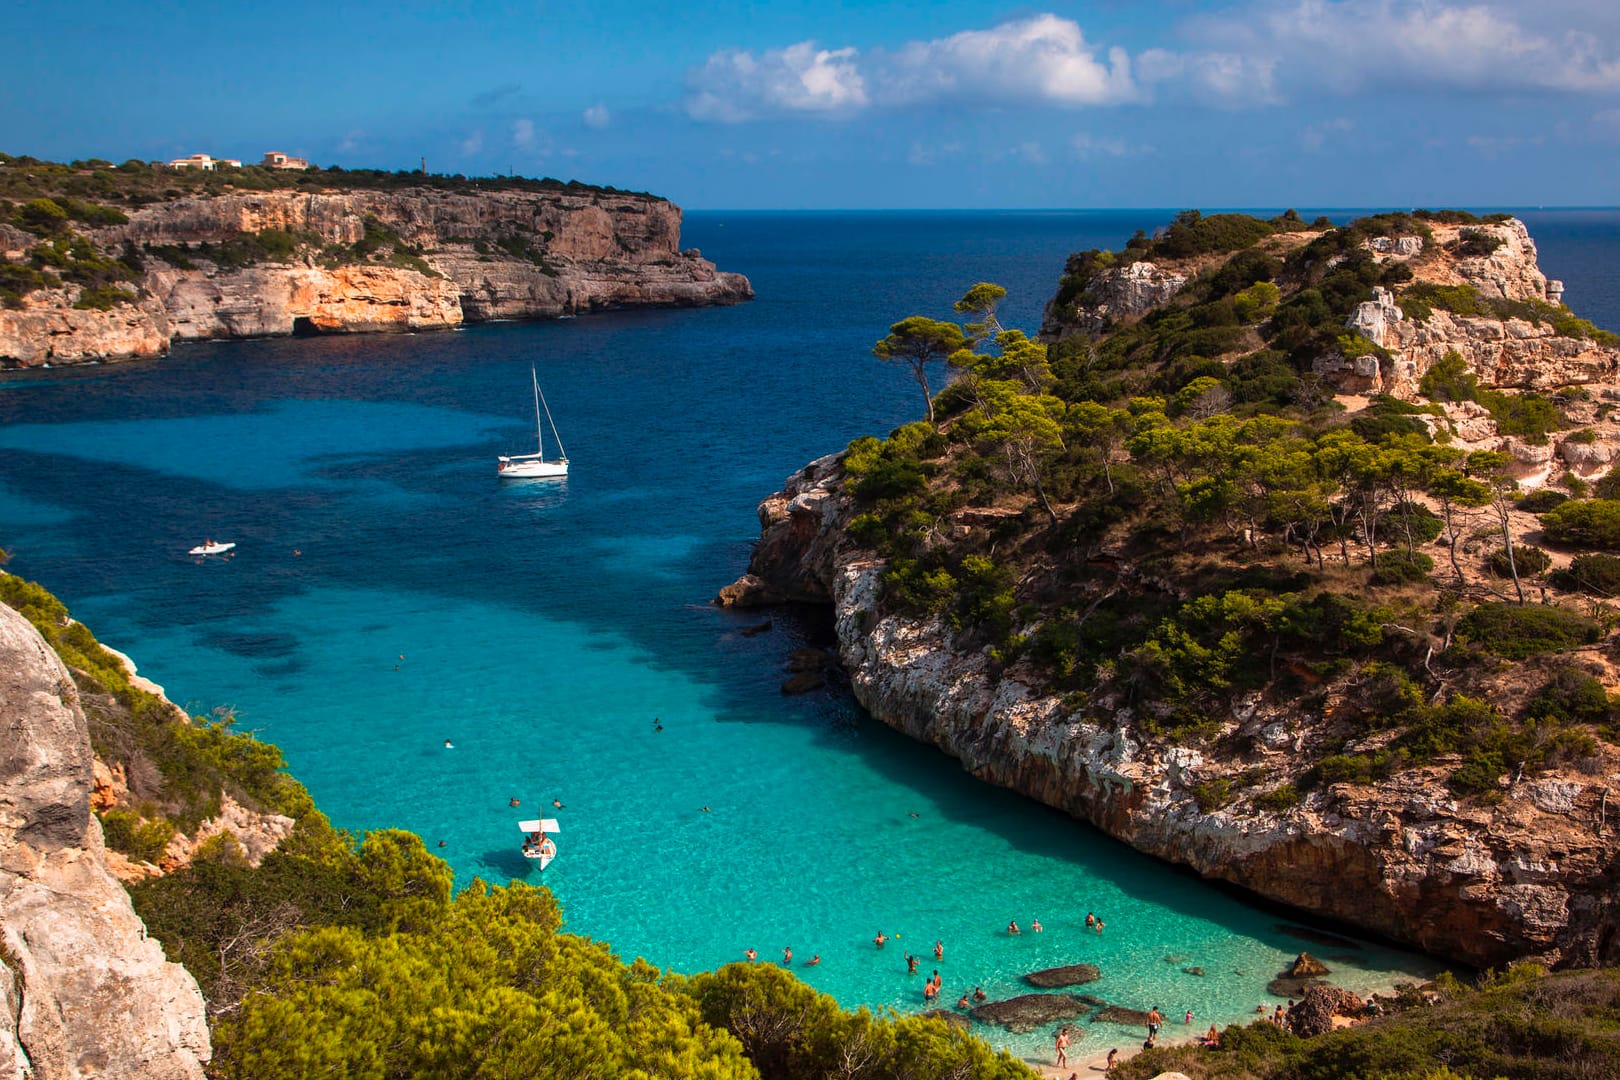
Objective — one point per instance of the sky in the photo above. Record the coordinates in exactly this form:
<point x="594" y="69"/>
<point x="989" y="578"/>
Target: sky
<point x="819" y="104"/>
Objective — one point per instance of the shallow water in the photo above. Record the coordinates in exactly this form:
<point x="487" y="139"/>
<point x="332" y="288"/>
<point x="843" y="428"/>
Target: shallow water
<point x="388" y="593"/>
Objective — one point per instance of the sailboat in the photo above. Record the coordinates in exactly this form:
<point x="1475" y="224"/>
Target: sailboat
<point x="537" y="841"/>
<point x="535" y="466"/>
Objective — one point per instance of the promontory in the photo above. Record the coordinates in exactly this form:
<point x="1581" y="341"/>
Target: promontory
<point x="102" y="262"/>
<point x="1288" y="553"/>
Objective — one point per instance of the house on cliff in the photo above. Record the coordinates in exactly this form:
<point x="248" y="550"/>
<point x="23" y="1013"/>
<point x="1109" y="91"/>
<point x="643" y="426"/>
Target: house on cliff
<point x="204" y="162"/>
<point x="275" y="159"/>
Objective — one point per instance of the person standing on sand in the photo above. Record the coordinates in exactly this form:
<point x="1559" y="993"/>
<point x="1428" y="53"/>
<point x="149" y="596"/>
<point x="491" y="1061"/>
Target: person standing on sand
<point x="1155" y="1021"/>
<point x="1063" y="1046"/>
<point x="1112" y="1056"/>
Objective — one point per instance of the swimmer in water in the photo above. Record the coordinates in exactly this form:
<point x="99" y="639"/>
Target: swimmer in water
<point x="515" y="801"/>
<point x="813" y="961"/>
<point x="939" y="950"/>
<point x="557" y="803"/>
<point x="751" y="954"/>
<point x="880" y="940"/>
<point x="448" y="745"/>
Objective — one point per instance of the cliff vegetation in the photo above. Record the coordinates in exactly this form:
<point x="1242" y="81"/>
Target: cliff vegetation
<point x="1290" y="554"/>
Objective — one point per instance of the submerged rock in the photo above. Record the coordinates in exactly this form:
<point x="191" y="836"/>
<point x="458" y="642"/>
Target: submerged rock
<point x="1068" y="975"/>
<point x="1287" y="986"/>
<point x="1314" y="936"/>
<point x="1025" y="1013"/>
<point x="1118" y="1014"/>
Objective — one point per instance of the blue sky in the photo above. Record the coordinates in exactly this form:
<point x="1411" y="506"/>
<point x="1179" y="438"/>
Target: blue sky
<point x="853" y="105"/>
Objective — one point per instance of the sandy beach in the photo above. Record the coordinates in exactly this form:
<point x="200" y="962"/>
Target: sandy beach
<point x="1093" y="1065"/>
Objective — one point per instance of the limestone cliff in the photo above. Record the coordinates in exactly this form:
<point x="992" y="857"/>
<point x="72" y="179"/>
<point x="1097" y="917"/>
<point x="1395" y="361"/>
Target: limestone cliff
<point x="86" y="993"/>
<point x="1070" y="610"/>
<point x="1535" y="875"/>
<point x="446" y="257"/>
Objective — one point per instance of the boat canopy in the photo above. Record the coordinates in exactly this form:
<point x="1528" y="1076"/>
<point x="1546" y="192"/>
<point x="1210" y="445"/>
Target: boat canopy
<point x="545" y="825"/>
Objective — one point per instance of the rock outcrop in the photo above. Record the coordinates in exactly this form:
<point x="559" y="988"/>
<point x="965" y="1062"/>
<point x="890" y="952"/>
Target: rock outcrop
<point x="1532" y="876"/>
<point x="86" y="992"/>
<point x="1119" y="292"/>
<point x="485" y="255"/>
<point x="1027" y="1012"/>
<point x="1068" y="975"/>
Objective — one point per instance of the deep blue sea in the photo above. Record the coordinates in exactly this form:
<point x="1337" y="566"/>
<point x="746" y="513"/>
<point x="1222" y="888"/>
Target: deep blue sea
<point x="389" y="593"/>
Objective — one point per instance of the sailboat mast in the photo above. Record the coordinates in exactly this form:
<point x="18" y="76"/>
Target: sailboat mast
<point x="539" y="440"/>
<point x="561" y="453"/>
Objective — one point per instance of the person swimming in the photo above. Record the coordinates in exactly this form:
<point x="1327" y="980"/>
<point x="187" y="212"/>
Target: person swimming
<point x="880" y="940"/>
<point x="939" y="950"/>
<point x="1012" y="928"/>
<point x="1035" y="925"/>
<point x="979" y="994"/>
<point x="962" y="1002"/>
<point x="514" y="801"/>
<point x="448" y="745"/>
<point x="813" y="961"/>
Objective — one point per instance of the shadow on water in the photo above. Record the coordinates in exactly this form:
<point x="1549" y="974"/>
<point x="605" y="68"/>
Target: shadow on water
<point x="511" y="864"/>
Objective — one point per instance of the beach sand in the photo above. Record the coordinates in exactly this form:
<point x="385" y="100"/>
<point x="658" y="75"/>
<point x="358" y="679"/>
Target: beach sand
<point x="1092" y="1065"/>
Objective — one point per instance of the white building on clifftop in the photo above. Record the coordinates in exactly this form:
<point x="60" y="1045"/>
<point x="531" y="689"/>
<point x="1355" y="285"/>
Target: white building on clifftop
<point x="275" y="159"/>
<point x="204" y="162"/>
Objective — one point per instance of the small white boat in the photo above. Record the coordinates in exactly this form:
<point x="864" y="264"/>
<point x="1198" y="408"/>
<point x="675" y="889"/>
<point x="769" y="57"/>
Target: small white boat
<point x="212" y="547"/>
<point x="535" y="466"/>
<point x="537" y="841"/>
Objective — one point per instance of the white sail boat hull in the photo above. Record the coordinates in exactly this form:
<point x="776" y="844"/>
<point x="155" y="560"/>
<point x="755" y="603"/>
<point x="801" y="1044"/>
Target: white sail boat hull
<point x="519" y="469"/>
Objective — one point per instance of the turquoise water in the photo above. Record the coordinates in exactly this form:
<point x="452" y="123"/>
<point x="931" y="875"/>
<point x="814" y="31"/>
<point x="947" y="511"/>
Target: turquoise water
<point x="389" y="594"/>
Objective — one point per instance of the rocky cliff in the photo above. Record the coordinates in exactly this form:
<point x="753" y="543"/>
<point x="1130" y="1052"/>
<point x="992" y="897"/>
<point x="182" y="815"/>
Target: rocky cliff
<point x="1534" y="876"/>
<point x="1067" y="609"/>
<point x="361" y="261"/>
<point x="85" y="992"/>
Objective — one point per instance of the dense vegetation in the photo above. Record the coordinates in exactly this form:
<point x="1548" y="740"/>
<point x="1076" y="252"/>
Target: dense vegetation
<point x="349" y="956"/>
<point x="1521" y="1024"/>
<point x="1179" y="514"/>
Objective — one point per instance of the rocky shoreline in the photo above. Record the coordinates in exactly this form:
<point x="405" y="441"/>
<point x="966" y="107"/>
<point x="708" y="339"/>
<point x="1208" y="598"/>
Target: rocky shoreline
<point x="484" y="256"/>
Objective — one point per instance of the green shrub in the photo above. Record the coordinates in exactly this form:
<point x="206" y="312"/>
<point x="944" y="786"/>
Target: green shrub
<point x="1278" y="800"/>
<point x="1400" y="567"/>
<point x="1541" y="500"/>
<point x="1412" y="522"/>
<point x="1526" y="415"/>
<point x="1476" y="243"/>
<point x="1588" y="523"/>
<point x="1527" y="559"/>
<point x="1518" y="633"/>
<point x="1211" y="795"/>
<point x="1449" y="379"/>
<point x="1594" y="574"/>
<point x="126" y="832"/>
<point x="1571" y="696"/>
<point x="1347" y="769"/>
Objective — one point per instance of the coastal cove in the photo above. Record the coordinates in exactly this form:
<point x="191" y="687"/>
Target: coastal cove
<point x="388" y="594"/>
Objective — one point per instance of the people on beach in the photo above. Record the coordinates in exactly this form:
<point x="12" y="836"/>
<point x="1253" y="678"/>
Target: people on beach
<point x="1155" y="1021"/>
<point x="1035" y="925"/>
<point x="1012" y="928"/>
<point x="1112" y="1056"/>
<point x="751" y="953"/>
<point x="787" y="959"/>
<point x="880" y="940"/>
<point x="1212" y="1038"/>
<point x="1277" y="1016"/>
<point x="1063" y="1045"/>
<point x="979" y="994"/>
<point x="939" y="950"/>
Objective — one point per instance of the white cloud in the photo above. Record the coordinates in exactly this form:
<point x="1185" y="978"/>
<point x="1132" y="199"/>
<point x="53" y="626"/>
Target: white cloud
<point x="1042" y="59"/>
<point x="920" y="154"/>
<point x="522" y="132"/>
<point x="597" y="116"/>
<point x="1039" y="60"/>
<point x="1031" y="152"/>
<point x="736" y="85"/>
<point x="1217" y="78"/>
<point x="472" y="143"/>
<point x="1346" y="46"/>
<point x="351" y="141"/>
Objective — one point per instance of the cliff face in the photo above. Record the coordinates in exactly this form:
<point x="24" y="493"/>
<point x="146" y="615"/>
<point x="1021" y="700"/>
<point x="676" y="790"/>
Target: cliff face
<point x="85" y="992"/>
<point x="1534" y="876"/>
<point x="494" y="255"/>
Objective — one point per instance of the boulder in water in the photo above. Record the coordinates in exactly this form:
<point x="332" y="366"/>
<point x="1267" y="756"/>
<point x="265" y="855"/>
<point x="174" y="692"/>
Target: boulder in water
<point x="1025" y="1013"/>
<point x="1068" y="975"/>
<point x="1192" y="971"/>
<point x="1306" y="966"/>
<point x="1286" y="986"/>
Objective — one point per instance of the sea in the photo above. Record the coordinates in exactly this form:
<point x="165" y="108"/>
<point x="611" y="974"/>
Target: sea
<point x="427" y="643"/>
